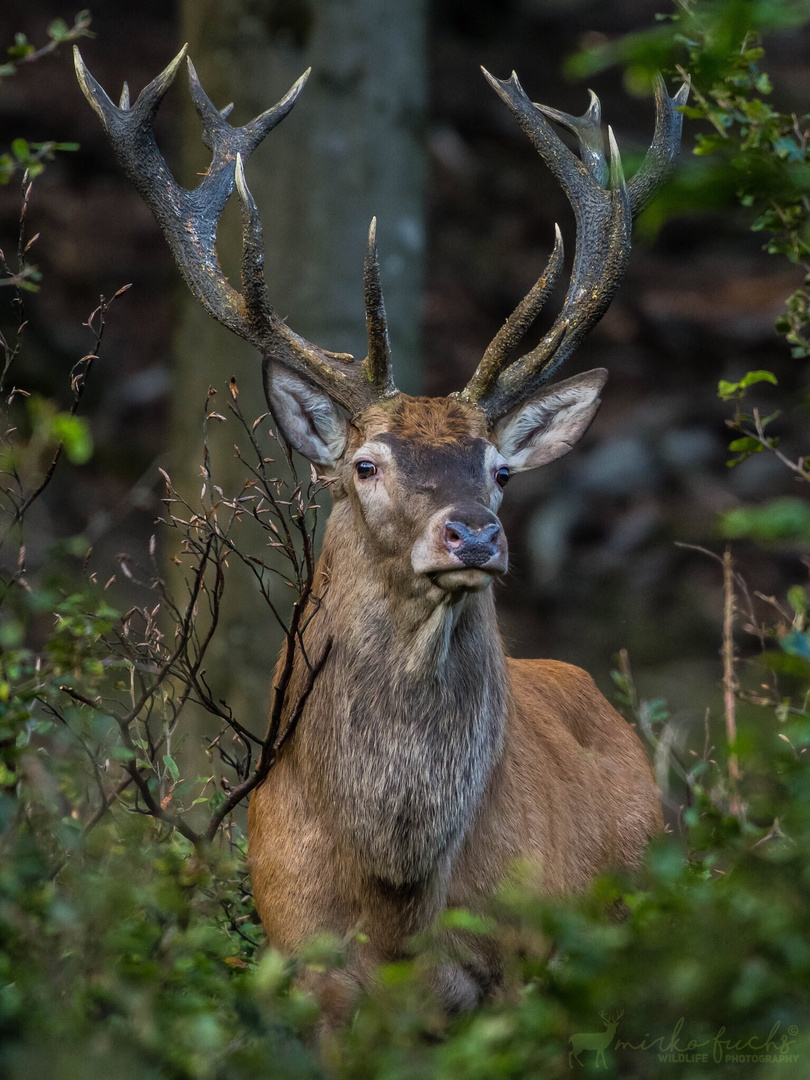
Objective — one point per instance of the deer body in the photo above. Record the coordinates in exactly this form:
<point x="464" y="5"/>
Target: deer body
<point x="426" y="763"/>
<point x="423" y="762"/>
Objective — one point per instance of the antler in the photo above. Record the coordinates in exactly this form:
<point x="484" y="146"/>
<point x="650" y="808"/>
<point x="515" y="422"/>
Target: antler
<point x="189" y="222"/>
<point x="604" y="207"/>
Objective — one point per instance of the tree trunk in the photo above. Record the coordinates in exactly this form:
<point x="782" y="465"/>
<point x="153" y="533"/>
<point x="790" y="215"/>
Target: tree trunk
<point x="353" y="147"/>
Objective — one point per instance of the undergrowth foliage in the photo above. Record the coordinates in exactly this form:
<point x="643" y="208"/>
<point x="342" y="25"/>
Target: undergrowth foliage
<point x="129" y="945"/>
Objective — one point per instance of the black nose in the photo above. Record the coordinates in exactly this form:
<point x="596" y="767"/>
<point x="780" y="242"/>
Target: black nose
<point x="472" y="535"/>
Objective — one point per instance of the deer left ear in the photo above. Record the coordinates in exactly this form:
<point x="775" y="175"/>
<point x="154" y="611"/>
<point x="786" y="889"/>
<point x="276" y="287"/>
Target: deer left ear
<point x="309" y="420"/>
<point x="551" y="422"/>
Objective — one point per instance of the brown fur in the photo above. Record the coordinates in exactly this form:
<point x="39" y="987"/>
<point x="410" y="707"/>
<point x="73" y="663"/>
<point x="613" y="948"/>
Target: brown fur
<point x="437" y="421"/>
<point x="425" y="763"/>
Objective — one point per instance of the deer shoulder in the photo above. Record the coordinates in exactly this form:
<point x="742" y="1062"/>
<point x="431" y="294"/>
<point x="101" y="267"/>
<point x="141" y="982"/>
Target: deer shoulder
<point x="572" y="795"/>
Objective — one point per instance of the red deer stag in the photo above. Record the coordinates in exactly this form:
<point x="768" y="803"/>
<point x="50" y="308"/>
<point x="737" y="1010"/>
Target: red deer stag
<point x="425" y="761"/>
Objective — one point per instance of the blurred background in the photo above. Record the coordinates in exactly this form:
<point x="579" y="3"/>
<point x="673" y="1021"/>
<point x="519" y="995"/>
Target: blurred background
<point x="397" y="121"/>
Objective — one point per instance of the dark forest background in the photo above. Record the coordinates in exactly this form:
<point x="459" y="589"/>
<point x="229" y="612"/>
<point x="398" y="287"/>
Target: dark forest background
<point x="595" y="567"/>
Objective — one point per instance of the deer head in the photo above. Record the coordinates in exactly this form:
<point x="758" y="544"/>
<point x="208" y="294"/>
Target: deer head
<point x="423" y="477"/>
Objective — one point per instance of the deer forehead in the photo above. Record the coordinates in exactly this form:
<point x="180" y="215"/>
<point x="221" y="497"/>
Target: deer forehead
<point x="436" y="421"/>
<point x="432" y="443"/>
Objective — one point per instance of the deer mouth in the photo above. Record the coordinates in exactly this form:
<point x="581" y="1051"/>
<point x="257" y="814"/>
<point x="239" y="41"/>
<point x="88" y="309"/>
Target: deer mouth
<point x="464" y="578"/>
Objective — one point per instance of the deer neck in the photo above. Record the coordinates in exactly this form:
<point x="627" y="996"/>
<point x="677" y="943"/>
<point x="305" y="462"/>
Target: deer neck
<point x="405" y="721"/>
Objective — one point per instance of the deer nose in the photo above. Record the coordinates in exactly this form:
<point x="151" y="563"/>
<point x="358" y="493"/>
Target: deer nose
<point x="474" y="536"/>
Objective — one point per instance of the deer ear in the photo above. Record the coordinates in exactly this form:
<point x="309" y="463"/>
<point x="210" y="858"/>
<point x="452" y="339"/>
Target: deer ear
<point x="309" y="420"/>
<point x="551" y="422"/>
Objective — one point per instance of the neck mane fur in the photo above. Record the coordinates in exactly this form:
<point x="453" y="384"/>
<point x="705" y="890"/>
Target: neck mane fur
<point x="405" y="721"/>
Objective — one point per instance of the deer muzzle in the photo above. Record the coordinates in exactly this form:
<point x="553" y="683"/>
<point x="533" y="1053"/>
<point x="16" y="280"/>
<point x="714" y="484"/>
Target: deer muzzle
<point x="463" y="547"/>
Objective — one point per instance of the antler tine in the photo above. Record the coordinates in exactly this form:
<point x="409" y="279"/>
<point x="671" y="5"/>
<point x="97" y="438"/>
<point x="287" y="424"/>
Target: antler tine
<point x="603" y="220"/>
<point x="563" y="163"/>
<point x="257" y="307"/>
<point x="604" y="206"/>
<point x="148" y="100"/>
<point x="189" y="221"/>
<point x="377" y="365"/>
<point x="588" y="130"/>
<point x="660" y="159"/>
<point x="334" y="372"/>
<point x="217" y="132"/>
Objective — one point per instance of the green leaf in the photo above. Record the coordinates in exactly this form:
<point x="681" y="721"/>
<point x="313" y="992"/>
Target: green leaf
<point x="171" y="766"/>
<point x="58" y="30"/>
<point x="746" y="445"/>
<point x="783" y="519"/>
<point x="797" y="598"/>
<point x="21" y="149"/>
<point x="728" y="390"/>
<point x="11" y="634"/>
<point x="462" y="919"/>
<point x="21" y="47"/>
<point x="74" y="433"/>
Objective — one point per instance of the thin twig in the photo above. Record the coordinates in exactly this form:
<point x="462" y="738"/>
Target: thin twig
<point x="730" y="682"/>
<point x="270" y="749"/>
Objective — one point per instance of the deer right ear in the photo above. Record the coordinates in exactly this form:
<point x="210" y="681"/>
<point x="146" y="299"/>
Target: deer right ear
<point x="547" y="425"/>
<point x="309" y="420"/>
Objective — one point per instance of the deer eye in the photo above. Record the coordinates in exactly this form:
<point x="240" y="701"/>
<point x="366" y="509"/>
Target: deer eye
<point x="501" y="476"/>
<point x="365" y="469"/>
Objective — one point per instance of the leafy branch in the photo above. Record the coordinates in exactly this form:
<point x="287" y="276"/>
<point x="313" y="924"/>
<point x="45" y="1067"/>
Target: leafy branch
<point x="59" y="33"/>
<point x="761" y="152"/>
<point x="30" y="157"/>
